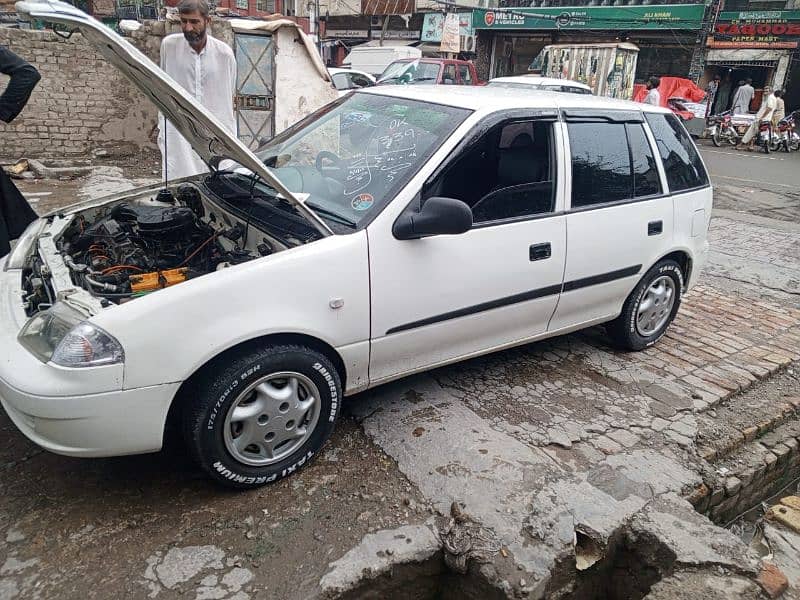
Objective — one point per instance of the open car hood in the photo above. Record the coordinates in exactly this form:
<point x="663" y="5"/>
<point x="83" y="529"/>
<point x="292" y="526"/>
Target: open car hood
<point x="212" y="142"/>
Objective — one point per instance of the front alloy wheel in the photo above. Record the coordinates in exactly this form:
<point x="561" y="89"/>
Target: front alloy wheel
<point x="261" y="414"/>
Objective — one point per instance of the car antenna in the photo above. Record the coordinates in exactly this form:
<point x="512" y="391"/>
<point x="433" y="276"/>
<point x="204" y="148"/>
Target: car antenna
<point x="164" y="195"/>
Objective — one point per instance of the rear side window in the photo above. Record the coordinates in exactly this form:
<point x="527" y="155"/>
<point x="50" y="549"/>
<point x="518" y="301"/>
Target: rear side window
<point x="611" y="162"/>
<point x="646" y="181"/>
<point x="682" y="164"/>
<point x="601" y="164"/>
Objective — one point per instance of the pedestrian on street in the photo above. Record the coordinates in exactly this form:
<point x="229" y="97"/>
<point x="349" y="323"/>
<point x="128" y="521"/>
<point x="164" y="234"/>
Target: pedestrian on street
<point x="653" y="96"/>
<point x="743" y="97"/>
<point x="711" y="94"/>
<point x="206" y="68"/>
<point x="15" y="212"/>
<point x="780" y="108"/>
<point x="764" y="113"/>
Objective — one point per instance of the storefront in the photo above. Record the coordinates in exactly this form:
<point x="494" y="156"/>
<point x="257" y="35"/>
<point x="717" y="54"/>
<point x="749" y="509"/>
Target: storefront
<point x="756" y="45"/>
<point x="666" y="35"/>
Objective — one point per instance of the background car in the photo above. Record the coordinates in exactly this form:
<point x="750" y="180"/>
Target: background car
<point x="430" y="71"/>
<point x="345" y="80"/>
<point x="549" y="84"/>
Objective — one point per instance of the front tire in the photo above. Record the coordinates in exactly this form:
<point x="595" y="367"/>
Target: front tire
<point x="649" y="309"/>
<point x="715" y="139"/>
<point x="262" y="415"/>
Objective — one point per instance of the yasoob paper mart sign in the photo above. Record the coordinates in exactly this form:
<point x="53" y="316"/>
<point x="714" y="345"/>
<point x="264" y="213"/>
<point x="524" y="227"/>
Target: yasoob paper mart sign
<point x="676" y="16"/>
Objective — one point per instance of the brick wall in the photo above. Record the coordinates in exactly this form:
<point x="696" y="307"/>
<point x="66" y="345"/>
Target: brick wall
<point x="82" y="102"/>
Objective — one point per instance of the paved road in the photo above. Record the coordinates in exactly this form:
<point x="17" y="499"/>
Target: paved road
<point x="549" y="449"/>
<point x="778" y="170"/>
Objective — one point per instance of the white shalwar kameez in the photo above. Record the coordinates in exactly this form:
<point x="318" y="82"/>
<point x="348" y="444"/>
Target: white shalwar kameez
<point x="210" y="77"/>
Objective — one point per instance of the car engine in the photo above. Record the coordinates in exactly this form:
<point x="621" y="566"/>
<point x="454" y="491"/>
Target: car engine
<point x="132" y="249"/>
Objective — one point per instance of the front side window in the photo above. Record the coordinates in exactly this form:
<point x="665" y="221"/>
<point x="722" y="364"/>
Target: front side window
<point x="351" y="157"/>
<point x="682" y="163"/>
<point x="611" y="162"/>
<point x="506" y="174"/>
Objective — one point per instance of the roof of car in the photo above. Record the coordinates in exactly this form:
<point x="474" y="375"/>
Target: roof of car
<point x="499" y="98"/>
<point x="426" y="59"/>
<point x="534" y="80"/>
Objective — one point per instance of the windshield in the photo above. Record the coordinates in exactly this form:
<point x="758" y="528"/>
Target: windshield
<point x="411" y="72"/>
<point x="351" y="157"/>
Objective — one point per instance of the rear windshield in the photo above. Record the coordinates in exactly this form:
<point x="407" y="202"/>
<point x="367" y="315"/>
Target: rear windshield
<point x="685" y="170"/>
<point x="411" y="72"/>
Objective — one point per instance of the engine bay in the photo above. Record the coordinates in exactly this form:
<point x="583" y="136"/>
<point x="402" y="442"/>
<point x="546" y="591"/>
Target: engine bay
<point x="126" y="249"/>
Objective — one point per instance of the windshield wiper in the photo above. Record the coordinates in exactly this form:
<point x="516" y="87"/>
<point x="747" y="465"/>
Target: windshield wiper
<point x="332" y="215"/>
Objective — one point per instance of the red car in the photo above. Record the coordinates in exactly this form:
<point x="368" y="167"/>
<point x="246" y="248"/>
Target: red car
<point x="445" y="71"/>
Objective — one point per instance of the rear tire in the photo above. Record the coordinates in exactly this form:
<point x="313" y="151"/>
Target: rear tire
<point x="715" y="139"/>
<point x="262" y="415"/>
<point x="649" y="309"/>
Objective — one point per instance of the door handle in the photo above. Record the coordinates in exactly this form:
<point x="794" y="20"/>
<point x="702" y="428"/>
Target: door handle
<point x="655" y="228"/>
<point x="540" y="251"/>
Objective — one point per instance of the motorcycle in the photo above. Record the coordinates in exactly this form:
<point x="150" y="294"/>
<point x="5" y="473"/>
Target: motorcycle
<point x="786" y="137"/>
<point x="765" y="136"/>
<point x="721" y="130"/>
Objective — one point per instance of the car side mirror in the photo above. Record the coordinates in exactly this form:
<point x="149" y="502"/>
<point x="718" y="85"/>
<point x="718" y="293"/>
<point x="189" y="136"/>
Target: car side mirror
<point x="439" y="216"/>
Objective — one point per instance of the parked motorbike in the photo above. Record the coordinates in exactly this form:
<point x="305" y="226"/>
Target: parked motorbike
<point x="787" y="137"/>
<point x="721" y="130"/>
<point x="765" y="136"/>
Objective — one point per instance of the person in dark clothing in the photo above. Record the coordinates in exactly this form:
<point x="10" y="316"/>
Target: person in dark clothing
<point x="15" y="212"/>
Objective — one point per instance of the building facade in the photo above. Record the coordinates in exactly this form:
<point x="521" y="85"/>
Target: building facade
<point x="667" y="35"/>
<point x="758" y="41"/>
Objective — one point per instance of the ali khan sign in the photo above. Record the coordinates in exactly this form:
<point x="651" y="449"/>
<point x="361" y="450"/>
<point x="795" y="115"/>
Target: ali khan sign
<point x="756" y="29"/>
<point x="672" y="16"/>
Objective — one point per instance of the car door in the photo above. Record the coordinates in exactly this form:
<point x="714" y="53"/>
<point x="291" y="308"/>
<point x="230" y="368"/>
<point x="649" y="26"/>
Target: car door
<point x="441" y="298"/>
<point x="619" y="219"/>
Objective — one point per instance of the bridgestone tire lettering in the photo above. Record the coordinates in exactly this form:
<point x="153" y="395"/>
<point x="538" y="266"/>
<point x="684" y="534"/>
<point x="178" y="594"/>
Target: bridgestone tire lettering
<point x="623" y="330"/>
<point x="206" y="407"/>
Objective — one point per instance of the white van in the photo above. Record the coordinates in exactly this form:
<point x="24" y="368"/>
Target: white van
<point x="374" y="59"/>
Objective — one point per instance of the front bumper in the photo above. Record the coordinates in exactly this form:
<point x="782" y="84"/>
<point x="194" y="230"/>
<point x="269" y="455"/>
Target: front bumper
<point x="108" y="424"/>
<point x="77" y="412"/>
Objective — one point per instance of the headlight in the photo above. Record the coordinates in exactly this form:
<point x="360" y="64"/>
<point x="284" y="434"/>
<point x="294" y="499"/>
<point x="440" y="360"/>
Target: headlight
<point x="60" y="335"/>
<point x="22" y="249"/>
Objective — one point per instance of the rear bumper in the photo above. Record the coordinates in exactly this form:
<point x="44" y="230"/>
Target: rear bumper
<point x="108" y="424"/>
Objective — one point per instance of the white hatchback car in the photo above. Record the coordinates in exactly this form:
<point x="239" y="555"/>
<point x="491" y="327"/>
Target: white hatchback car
<point x="347" y="80"/>
<point x="393" y="231"/>
<point x="544" y="84"/>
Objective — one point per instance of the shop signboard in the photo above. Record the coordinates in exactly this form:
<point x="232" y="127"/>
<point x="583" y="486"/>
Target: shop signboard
<point x="756" y="29"/>
<point x="347" y="33"/>
<point x="395" y="34"/>
<point x="433" y="24"/>
<point x="450" y="40"/>
<point x="671" y="16"/>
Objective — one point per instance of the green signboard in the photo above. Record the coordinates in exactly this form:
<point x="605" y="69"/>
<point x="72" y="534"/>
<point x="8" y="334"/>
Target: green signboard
<point x="673" y="16"/>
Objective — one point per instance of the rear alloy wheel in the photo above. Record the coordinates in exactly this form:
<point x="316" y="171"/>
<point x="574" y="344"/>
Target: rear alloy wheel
<point x="264" y="415"/>
<point x="650" y="308"/>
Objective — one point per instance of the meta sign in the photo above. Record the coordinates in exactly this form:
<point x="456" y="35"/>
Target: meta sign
<point x="756" y="29"/>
